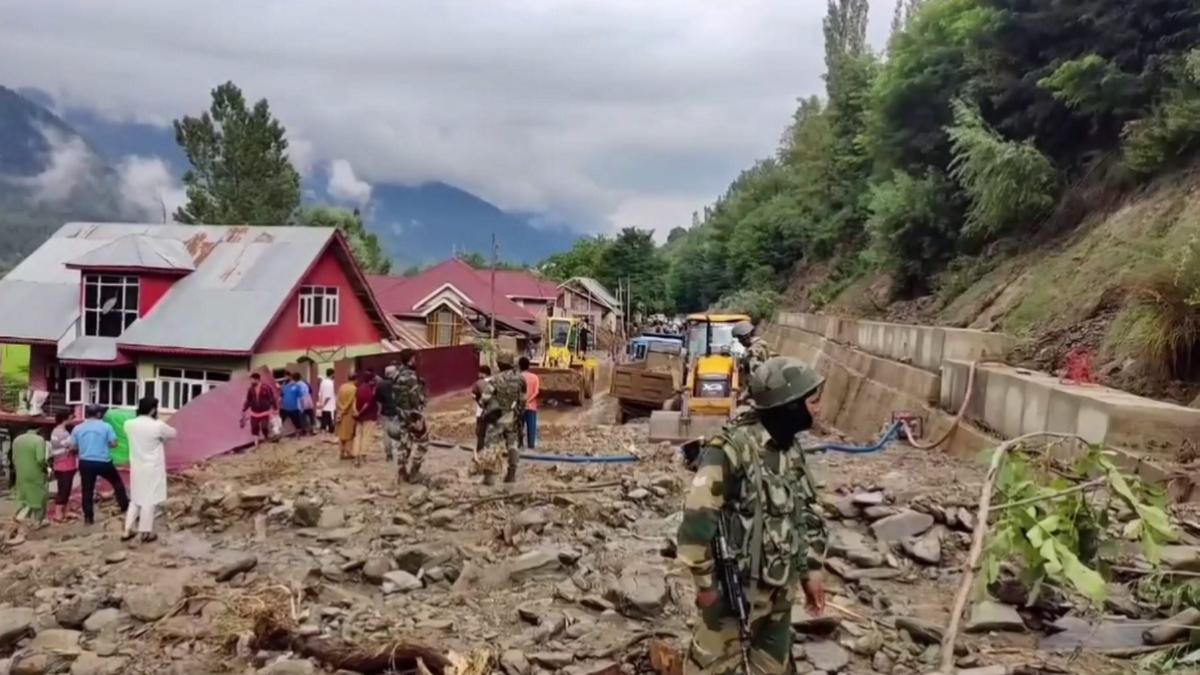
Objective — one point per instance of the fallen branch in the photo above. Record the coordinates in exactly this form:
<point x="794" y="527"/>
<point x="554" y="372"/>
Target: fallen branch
<point x="550" y="493"/>
<point x="977" y="541"/>
<point x="1090" y="485"/>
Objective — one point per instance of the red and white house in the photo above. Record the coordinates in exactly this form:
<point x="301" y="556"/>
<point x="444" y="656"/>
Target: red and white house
<point x="113" y="311"/>
<point x="453" y="302"/>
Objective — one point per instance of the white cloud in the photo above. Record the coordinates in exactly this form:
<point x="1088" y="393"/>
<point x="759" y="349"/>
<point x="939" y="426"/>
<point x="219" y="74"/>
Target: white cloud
<point x="581" y="109"/>
<point x="69" y="166"/>
<point x="345" y="186"/>
<point x="301" y="153"/>
<point x="147" y="187"/>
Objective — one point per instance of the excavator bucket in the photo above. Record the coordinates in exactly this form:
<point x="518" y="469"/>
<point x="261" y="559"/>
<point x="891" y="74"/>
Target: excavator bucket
<point x="562" y="384"/>
<point x="676" y="427"/>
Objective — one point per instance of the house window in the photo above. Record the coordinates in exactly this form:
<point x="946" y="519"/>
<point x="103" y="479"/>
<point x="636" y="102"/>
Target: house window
<point x="178" y="386"/>
<point x="442" y="328"/>
<point x="318" y="305"/>
<point x="110" y="304"/>
<point x="111" y="387"/>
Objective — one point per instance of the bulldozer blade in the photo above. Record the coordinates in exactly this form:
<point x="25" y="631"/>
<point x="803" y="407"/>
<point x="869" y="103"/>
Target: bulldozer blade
<point x="671" y="425"/>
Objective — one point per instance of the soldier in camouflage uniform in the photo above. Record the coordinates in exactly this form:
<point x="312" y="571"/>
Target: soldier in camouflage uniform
<point x="751" y="477"/>
<point x="757" y="350"/>
<point x="412" y="442"/>
<point x="503" y="403"/>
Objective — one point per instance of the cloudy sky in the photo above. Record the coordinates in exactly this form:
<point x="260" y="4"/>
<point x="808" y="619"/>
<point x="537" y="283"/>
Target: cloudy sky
<point x="603" y="113"/>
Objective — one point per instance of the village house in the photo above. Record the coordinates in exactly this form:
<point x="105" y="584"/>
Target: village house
<point x="112" y="312"/>
<point x="454" y="303"/>
<point x="584" y="297"/>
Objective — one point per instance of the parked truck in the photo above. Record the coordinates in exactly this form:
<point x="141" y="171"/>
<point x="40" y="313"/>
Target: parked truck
<point x="651" y="378"/>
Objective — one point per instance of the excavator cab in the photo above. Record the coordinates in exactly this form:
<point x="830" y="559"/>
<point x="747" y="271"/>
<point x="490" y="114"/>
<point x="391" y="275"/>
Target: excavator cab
<point x="710" y="392"/>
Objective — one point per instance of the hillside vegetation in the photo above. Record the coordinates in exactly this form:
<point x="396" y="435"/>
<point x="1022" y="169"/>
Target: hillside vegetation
<point x="980" y="148"/>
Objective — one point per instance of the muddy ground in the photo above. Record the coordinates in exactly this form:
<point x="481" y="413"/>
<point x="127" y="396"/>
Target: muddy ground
<point x="287" y="560"/>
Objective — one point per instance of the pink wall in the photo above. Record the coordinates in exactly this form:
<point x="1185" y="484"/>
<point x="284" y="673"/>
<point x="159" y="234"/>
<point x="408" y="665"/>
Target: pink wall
<point x="354" y="325"/>
<point x="153" y="288"/>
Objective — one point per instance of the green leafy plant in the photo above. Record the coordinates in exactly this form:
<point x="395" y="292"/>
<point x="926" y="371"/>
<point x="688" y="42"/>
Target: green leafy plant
<point x="1010" y="183"/>
<point x="1171" y="131"/>
<point x="1057" y="526"/>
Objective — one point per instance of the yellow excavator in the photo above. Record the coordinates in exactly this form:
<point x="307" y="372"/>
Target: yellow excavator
<point x="711" y="386"/>
<point x="567" y="372"/>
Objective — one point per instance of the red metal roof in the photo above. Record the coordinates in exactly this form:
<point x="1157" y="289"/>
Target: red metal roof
<point x="522" y="284"/>
<point x="400" y="297"/>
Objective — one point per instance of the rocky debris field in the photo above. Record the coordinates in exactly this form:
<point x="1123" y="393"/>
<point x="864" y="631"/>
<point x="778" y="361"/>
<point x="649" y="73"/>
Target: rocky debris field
<point x="286" y="561"/>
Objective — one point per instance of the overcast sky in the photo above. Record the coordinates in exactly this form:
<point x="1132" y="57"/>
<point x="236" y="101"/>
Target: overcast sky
<point x="605" y="113"/>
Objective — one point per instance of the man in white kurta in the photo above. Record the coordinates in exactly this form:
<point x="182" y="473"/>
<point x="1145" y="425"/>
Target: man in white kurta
<point x="147" y="468"/>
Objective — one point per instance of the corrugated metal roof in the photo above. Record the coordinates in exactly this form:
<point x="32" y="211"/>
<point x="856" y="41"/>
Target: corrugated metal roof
<point x="597" y="290"/>
<point x="242" y="277"/>
<point x="90" y="348"/>
<point x="140" y="251"/>
<point x="401" y="297"/>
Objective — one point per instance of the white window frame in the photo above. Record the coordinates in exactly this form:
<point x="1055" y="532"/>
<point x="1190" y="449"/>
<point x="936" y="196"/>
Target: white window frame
<point x="121" y="281"/>
<point x="176" y="386"/>
<point x="86" y="391"/>
<point x="327" y="298"/>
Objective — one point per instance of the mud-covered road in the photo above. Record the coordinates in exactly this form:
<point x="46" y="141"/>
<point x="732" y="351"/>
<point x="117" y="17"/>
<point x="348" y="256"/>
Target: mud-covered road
<point x="287" y="560"/>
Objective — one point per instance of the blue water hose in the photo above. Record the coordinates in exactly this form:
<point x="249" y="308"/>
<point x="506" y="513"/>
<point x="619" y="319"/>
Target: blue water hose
<point x="581" y="459"/>
<point x="892" y="434"/>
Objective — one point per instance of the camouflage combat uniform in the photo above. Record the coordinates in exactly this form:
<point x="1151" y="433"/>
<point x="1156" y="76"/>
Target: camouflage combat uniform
<point x="741" y="476"/>
<point x="503" y="403"/>
<point x="412" y="441"/>
<point x="758" y="353"/>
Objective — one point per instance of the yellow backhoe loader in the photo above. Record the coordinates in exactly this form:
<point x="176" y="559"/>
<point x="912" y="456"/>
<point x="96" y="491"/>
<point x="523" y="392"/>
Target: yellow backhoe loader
<point x="567" y="373"/>
<point x="710" y="392"/>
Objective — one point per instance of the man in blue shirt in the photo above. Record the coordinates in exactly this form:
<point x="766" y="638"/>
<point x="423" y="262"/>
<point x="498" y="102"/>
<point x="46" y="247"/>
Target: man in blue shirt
<point x="292" y="405"/>
<point x="95" y="439"/>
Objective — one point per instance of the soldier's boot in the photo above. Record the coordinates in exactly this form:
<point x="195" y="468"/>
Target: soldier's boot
<point x="402" y="474"/>
<point x="489" y="478"/>
<point x="514" y="456"/>
<point x="414" y="470"/>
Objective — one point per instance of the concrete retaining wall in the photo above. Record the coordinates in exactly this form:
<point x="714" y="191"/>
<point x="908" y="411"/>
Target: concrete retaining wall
<point x="1015" y="401"/>
<point x="861" y="390"/>
<point x="923" y="346"/>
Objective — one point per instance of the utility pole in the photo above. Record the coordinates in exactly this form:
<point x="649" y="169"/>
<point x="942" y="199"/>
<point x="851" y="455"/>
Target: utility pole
<point x="495" y="252"/>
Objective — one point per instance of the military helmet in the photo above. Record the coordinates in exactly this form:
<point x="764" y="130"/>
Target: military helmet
<point x="504" y="359"/>
<point x="781" y="380"/>
<point x="743" y="329"/>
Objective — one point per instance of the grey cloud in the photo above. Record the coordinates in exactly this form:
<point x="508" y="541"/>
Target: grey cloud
<point x="577" y="108"/>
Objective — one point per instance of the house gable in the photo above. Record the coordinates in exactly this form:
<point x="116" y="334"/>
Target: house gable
<point x="446" y="295"/>
<point x="355" y="324"/>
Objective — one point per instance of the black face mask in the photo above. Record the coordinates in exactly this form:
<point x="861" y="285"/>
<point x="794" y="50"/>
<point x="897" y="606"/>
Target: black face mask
<point x="784" y="422"/>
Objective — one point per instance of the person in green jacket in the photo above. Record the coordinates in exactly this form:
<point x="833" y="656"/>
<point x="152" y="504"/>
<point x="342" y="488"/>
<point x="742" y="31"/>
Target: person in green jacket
<point x="29" y="459"/>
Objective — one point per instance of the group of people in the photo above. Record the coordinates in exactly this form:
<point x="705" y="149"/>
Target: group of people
<point x="394" y="402"/>
<point x="84" y="448"/>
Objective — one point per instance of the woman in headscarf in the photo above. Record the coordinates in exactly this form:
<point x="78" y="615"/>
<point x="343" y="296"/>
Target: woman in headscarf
<point x="347" y="413"/>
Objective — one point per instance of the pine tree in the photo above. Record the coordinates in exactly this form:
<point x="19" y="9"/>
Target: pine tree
<point x="240" y="171"/>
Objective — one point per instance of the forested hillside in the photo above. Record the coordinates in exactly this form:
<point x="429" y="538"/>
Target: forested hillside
<point x="986" y="128"/>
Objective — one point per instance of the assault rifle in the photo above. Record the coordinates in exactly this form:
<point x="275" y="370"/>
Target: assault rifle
<point x="730" y="581"/>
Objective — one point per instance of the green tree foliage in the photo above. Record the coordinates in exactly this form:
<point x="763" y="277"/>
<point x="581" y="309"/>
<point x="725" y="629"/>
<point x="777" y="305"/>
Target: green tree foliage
<point x="583" y="260"/>
<point x="632" y="260"/>
<point x="240" y="171"/>
<point x="480" y="262"/>
<point x="914" y="224"/>
<point x="367" y="251"/>
<point x="1010" y="184"/>
<point x="1172" y="128"/>
<point x="962" y="133"/>
<point x="759" y="304"/>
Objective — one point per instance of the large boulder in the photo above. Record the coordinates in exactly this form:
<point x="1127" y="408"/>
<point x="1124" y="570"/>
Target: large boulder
<point x="15" y="623"/>
<point x="907" y="523"/>
<point x="151" y="603"/>
<point x="640" y="590"/>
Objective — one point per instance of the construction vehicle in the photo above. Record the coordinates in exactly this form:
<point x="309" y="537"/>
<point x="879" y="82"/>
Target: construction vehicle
<point x="652" y="376"/>
<point x="709" y="396"/>
<point x="566" y="372"/>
